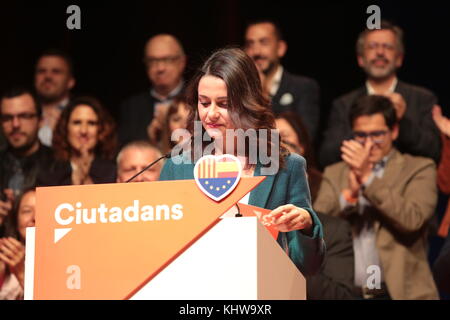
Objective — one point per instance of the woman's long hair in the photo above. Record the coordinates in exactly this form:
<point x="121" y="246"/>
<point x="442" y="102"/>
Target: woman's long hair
<point x="247" y="106"/>
<point x="106" y="139"/>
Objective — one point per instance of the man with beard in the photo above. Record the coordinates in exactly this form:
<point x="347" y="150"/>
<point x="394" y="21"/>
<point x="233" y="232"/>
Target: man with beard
<point x="380" y="54"/>
<point x="25" y="156"/>
<point x="142" y="115"/>
<point x="53" y="82"/>
<point x="264" y="43"/>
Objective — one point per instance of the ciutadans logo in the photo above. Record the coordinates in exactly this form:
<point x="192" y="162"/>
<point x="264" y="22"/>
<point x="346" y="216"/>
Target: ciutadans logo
<point x="67" y="214"/>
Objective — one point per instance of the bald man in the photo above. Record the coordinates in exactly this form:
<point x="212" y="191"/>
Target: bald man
<point x="165" y="61"/>
<point x="134" y="157"/>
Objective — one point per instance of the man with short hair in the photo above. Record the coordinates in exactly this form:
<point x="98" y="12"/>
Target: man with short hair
<point x="165" y="62"/>
<point x="264" y="43"/>
<point x="25" y="156"/>
<point x="134" y="157"/>
<point x="53" y="81"/>
<point x="380" y="54"/>
<point x="388" y="198"/>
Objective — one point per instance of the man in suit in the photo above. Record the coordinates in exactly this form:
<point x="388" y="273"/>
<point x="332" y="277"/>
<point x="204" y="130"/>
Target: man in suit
<point x="143" y="114"/>
<point x="25" y="156"/>
<point x="380" y="54"/>
<point x="53" y="81"/>
<point x="264" y="43"/>
<point x="334" y="281"/>
<point x="389" y="199"/>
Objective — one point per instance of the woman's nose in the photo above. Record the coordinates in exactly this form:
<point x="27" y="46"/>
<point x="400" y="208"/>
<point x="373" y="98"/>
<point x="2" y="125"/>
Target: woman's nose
<point x="213" y="112"/>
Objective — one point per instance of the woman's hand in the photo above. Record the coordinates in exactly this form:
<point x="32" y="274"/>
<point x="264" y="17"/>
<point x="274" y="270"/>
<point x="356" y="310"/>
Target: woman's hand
<point x="12" y="253"/>
<point x="289" y="218"/>
<point x="82" y="167"/>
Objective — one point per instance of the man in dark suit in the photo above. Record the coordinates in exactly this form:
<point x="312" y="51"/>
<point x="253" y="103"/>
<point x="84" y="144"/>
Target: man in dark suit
<point x="334" y="281"/>
<point x="265" y="45"/>
<point x="53" y="81"/>
<point x="25" y="156"/>
<point x="380" y="54"/>
<point x="142" y="115"/>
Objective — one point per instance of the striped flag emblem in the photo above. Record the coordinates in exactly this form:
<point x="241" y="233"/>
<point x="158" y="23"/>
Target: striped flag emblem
<point x="217" y="176"/>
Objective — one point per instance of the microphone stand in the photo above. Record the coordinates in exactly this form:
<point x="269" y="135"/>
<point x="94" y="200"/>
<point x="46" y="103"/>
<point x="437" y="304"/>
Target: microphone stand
<point x="148" y="167"/>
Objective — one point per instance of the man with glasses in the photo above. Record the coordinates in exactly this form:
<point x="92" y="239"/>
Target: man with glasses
<point x="24" y="156"/>
<point x="142" y="115"/>
<point x="380" y="54"/>
<point x="388" y="198"/>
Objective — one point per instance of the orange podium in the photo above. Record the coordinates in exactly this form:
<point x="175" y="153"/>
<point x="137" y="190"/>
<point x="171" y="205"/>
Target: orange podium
<point x="122" y="241"/>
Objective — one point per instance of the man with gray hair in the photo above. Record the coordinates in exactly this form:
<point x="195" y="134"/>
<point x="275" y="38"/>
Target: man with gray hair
<point x="134" y="157"/>
<point x="165" y="61"/>
<point x="380" y="54"/>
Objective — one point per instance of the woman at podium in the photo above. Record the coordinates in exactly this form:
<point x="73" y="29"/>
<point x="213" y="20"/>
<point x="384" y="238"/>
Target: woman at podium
<point x="225" y="96"/>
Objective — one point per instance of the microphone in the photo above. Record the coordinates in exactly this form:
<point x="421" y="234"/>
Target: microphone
<point x="238" y="214"/>
<point x="168" y="155"/>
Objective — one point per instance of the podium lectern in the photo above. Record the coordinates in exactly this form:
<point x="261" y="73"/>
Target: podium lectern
<point x="237" y="259"/>
<point x="120" y="241"/>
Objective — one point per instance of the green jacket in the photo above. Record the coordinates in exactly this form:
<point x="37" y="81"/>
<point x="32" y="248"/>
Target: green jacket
<point x="288" y="186"/>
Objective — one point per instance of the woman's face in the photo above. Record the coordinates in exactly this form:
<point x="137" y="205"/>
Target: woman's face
<point x="213" y="106"/>
<point x="287" y="133"/>
<point x="179" y="120"/>
<point x="25" y="216"/>
<point x="83" y="128"/>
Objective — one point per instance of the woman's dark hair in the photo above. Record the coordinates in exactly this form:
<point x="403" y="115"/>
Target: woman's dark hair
<point x="17" y="91"/>
<point x="107" y="138"/>
<point x="369" y="105"/>
<point x="295" y="121"/>
<point x="11" y="221"/>
<point x="247" y="106"/>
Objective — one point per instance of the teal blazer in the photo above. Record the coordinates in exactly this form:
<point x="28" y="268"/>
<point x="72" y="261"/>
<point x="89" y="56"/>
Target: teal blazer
<point x="288" y="186"/>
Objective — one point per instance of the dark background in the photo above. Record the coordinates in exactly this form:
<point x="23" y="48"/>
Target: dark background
<point x="321" y="35"/>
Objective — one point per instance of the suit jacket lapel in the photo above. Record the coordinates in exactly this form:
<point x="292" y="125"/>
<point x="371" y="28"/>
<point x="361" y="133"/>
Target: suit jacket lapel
<point x="282" y="88"/>
<point x="260" y="195"/>
<point x="391" y="171"/>
<point x="393" y="168"/>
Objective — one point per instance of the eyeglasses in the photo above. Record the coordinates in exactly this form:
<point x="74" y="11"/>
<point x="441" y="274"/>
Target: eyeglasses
<point x="25" y="116"/>
<point x="150" y="62"/>
<point x="376" y="45"/>
<point x="376" y="136"/>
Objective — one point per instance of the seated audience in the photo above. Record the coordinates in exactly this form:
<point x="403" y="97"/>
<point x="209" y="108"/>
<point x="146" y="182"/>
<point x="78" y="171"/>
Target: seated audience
<point x="380" y="54"/>
<point x="12" y="246"/>
<point x="84" y="142"/>
<point x="388" y="198"/>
